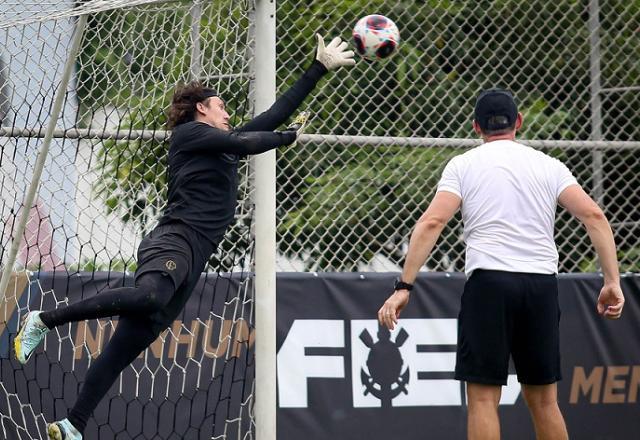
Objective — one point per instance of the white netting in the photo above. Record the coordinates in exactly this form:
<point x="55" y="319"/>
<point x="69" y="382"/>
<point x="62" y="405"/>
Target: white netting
<point x="102" y="188"/>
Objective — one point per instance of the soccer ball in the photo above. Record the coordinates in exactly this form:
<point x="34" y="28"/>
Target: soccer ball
<point x="376" y="37"/>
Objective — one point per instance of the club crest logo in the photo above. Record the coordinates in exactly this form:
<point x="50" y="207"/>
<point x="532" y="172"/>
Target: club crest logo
<point x="385" y="378"/>
<point x="171" y="265"/>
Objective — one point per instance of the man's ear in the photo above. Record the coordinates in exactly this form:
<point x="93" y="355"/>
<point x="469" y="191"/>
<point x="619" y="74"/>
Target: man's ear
<point x="476" y="128"/>
<point x="200" y="107"/>
<point x="519" y="119"/>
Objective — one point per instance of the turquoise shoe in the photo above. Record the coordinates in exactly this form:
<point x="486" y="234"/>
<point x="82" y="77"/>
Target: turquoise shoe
<point x="63" y="430"/>
<point x="31" y="334"/>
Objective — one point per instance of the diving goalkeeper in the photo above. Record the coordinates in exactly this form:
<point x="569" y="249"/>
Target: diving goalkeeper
<point x="202" y="190"/>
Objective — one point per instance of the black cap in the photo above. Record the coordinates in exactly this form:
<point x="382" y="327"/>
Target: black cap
<point x="208" y="93"/>
<point x="496" y="109"/>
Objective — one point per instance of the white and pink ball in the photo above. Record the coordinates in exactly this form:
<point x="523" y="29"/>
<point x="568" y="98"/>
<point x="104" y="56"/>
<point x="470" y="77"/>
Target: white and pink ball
<point x="376" y="37"/>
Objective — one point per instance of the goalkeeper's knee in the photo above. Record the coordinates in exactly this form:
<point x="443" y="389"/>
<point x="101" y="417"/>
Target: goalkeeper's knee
<point x="156" y="291"/>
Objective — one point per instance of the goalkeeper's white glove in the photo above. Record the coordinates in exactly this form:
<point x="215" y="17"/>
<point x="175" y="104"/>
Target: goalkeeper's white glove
<point x="334" y="54"/>
<point x="298" y="125"/>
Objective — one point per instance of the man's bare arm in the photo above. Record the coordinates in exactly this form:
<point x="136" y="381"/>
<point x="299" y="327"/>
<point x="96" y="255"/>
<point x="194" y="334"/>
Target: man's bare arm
<point x="427" y="231"/>
<point x="424" y="237"/>
<point x="579" y="204"/>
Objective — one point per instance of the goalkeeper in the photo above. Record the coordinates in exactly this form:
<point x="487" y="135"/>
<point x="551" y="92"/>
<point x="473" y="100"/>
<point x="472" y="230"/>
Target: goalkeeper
<point x="202" y="190"/>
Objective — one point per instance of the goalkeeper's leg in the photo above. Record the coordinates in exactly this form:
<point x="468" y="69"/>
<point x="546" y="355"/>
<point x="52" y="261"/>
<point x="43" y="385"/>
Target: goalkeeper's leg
<point x="152" y="292"/>
<point x="164" y="261"/>
<point x="132" y="336"/>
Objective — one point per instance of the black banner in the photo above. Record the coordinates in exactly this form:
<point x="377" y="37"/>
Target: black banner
<point x="339" y="375"/>
<point x="341" y="378"/>
<point x="194" y="382"/>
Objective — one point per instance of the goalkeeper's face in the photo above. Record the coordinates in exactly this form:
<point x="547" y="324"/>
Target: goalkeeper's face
<point x="213" y="112"/>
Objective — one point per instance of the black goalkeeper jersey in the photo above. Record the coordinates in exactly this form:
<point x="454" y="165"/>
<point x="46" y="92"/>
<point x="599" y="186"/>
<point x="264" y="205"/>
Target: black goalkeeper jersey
<point x="203" y="161"/>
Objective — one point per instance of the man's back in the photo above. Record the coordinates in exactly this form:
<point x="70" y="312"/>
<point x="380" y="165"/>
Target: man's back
<point x="509" y="194"/>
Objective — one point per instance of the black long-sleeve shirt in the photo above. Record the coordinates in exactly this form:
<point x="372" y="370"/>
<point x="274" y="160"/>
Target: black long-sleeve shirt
<point x="203" y="161"/>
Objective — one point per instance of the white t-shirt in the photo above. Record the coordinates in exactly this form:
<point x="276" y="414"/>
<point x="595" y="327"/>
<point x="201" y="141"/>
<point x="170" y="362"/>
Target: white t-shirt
<point x="509" y="196"/>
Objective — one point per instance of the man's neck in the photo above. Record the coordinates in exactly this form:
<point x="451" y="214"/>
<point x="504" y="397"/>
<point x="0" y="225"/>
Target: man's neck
<point x="500" y="137"/>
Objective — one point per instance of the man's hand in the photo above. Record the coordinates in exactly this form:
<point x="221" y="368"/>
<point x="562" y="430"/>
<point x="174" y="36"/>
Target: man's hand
<point x="390" y="311"/>
<point x="611" y="301"/>
<point x="334" y="54"/>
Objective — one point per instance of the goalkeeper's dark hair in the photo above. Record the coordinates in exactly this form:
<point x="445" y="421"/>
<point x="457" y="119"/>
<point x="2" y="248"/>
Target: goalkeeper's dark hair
<point x="183" y="104"/>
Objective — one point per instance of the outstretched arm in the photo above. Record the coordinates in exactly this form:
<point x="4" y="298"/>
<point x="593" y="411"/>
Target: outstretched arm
<point x="202" y="138"/>
<point x="327" y="58"/>
<point x="287" y="104"/>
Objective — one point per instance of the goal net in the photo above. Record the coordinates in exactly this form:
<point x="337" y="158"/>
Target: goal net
<point x="102" y="188"/>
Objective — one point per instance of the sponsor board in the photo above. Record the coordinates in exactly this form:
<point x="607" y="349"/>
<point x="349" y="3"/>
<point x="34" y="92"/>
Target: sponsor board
<point x="340" y="375"/>
<point x="412" y="365"/>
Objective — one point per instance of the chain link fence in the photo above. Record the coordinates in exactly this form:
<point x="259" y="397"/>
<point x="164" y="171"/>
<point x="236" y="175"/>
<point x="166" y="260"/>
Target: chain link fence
<point x="348" y="203"/>
<point x="347" y="195"/>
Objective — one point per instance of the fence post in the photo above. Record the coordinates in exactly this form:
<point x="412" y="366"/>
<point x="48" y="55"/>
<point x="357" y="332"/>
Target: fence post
<point x="595" y="87"/>
<point x="195" y="67"/>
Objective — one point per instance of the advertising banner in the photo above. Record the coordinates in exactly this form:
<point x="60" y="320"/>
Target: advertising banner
<point x="340" y="376"/>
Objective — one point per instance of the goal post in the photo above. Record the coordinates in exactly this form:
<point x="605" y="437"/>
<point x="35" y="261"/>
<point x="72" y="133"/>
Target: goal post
<point x="265" y="228"/>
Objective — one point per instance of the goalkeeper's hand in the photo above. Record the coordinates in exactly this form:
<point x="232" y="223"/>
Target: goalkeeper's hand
<point x="334" y="54"/>
<point x="298" y="125"/>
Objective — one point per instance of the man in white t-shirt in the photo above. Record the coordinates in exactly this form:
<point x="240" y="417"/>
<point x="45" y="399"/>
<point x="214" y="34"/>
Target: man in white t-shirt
<point x="508" y="194"/>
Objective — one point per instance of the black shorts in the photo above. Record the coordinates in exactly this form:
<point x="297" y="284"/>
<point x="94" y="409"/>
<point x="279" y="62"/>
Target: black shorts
<point x="166" y="249"/>
<point x="179" y="252"/>
<point x="509" y="313"/>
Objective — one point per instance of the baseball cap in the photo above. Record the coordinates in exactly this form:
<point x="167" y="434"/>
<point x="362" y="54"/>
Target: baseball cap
<point x="496" y="109"/>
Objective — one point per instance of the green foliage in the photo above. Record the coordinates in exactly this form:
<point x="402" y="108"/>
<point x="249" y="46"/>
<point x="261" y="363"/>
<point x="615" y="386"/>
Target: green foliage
<point x="129" y="55"/>
<point x="543" y="122"/>
<point x="93" y="265"/>
<point x="365" y="207"/>
<point x="632" y="254"/>
<point x="134" y="173"/>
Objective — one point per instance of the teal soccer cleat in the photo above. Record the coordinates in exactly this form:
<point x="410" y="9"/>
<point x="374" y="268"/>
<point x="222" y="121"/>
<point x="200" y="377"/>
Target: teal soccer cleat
<point x="31" y="334"/>
<point x="63" y="430"/>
